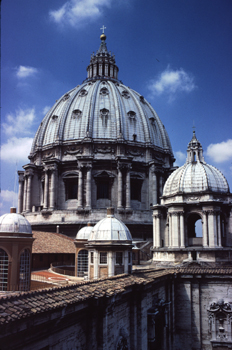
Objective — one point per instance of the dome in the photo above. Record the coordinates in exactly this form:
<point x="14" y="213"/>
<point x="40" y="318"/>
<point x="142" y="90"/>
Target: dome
<point x="102" y="108"/>
<point x="14" y="223"/>
<point x="195" y="175"/>
<point x="110" y="229"/>
<point x="84" y="232"/>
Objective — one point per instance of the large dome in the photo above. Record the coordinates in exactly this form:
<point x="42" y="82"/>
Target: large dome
<point x="101" y="108"/>
<point x="195" y="175"/>
<point x="101" y="145"/>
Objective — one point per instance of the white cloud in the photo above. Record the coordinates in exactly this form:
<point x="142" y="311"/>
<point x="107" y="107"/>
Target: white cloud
<point x="20" y="122"/>
<point x="46" y="109"/>
<point x="74" y="12"/>
<point x="24" y="72"/>
<point x="180" y="158"/>
<point x="220" y="152"/>
<point x="16" y="149"/>
<point x="9" y="196"/>
<point x="171" y="82"/>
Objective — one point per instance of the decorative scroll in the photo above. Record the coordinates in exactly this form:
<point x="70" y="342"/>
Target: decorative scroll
<point x="104" y="149"/>
<point x="48" y="156"/>
<point x="73" y="150"/>
<point x="135" y="152"/>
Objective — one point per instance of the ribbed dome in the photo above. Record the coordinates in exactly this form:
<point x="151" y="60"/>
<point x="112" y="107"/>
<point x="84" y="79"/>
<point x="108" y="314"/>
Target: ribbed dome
<point x="84" y="232"/>
<point x="195" y="175"/>
<point x="14" y="223"/>
<point x="102" y="108"/>
<point x="110" y="229"/>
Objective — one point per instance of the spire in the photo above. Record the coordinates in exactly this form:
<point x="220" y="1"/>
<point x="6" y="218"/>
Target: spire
<point x="194" y="150"/>
<point x="102" y="64"/>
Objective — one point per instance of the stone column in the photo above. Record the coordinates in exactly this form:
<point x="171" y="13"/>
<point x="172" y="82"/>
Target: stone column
<point x="88" y="187"/>
<point x="94" y="70"/>
<point x="219" y="236"/>
<point x="119" y="187"/>
<point x="170" y="230"/>
<point x="205" y="233"/>
<point x="212" y="229"/>
<point x="46" y="184"/>
<point x="111" y="71"/>
<point x="110" y="264"/>
<point x="182" y="235"/>
<point x="28" y="202"/>
<point x="106" y="69"/>
<point x="20" y="196"/>
<point x="53" y="187"/>
<point x="161" y="184"/>
<point x="95" y="259"/>
<point x="175" y="230"/>
<point x="80" y="185"/>
<point x="25" y="193"/>
<point x="125" y="261"/>
<point x="128" y="190"/>
<point x="100" y="69"/>
<point x="157" y="243"/>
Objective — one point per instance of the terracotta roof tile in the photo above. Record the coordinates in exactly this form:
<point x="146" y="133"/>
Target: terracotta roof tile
<point x="48" y="242"/>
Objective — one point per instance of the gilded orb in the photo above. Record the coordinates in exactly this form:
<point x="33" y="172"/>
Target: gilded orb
<point x="103" y="37"/>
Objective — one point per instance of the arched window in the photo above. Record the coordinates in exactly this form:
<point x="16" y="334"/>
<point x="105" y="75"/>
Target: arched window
<point x="82" y="262"/>
<point x="194" y="229"/>
<point x="24" y="270"/>
<point x="3" y="269"/>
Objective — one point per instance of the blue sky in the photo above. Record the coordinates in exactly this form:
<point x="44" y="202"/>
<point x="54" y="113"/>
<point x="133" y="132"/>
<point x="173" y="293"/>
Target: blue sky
<point x="176" y="53"/>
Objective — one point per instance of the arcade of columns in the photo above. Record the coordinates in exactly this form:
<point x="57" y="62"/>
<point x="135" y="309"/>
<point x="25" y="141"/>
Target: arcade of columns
<point x="211" y="228"/>
<point x="48" y="197"/>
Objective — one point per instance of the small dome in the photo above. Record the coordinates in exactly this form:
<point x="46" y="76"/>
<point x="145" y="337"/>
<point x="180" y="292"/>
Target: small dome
<point x="195" y="175"/>
<point x="84" y="232"/>
<point x="110" y="229"/>
<point x="14" y="223"/>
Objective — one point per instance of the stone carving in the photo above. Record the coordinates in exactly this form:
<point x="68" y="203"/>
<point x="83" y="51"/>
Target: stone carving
<point x="48" y="156"/>
<point x="134" y="152"/>
<point x="220" y="320"/>
<point x="104" y="149"/>
<point x="104" y="113"/>
<point x="73" y="150"/>
<point x="193" y="199"/>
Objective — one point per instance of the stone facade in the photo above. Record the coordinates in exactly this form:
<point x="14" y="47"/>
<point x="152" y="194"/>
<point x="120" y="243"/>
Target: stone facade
<point x="171" y="309"/>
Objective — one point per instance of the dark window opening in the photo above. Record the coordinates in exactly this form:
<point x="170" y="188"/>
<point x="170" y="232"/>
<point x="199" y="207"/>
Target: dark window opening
<point x="119" y="258"/>
<point x="103" y="257"/>
<point x="103" y="190"/>
<point x="71" y="186"/>
<point x="91" y="257"/>
<point x="136" y="186"/>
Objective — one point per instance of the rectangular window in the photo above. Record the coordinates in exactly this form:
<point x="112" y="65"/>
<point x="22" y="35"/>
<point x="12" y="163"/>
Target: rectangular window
<point x="129" y="257"/>
<point x="103" y="257"/>
<point x="103" y="190"/>
<point x="119" y="258"/>
<point x="91" y="257"/>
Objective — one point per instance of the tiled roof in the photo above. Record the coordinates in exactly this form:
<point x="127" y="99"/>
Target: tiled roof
<point x="48" y="242"/>
<point x="27" y="304"/>
<point x="202" y="270"/>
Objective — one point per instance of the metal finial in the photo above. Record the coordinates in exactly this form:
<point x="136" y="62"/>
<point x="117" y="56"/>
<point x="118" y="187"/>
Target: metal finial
<point x="103" y="28"/>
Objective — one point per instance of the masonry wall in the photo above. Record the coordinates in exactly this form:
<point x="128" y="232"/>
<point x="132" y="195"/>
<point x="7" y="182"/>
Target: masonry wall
<point x="193" y="295"/>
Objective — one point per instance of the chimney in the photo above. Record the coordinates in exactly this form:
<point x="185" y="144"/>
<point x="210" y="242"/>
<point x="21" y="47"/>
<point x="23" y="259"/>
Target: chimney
<point x="110" y="211"/>
<point x="57" y="229"/>
<point x="12" y="210"/>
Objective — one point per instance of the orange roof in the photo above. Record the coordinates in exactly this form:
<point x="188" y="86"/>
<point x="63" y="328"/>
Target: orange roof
<point x="48" y="242"/>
